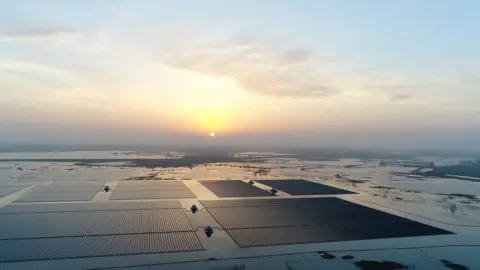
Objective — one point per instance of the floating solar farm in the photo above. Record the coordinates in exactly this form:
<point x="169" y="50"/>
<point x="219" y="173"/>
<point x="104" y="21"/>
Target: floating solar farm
<point x="63" y="221"/>
<point x="311" y="220"/>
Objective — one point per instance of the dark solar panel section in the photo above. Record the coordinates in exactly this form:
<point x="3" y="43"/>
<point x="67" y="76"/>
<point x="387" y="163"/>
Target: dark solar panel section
<point x="386" y="230"/>
<point x="240" y="203"/>
<point x="90" y="206"/>
<point x="303" y="187"/>
<point x="62" y="224"/>
<point x="95" y="246"/>
<point x="282" y="235"/>
<point x="233" y="188"/>
<point x="309" y="220"/>
<point x="290" y="202"/>
<point x="252" y="237"/>
<point x="280" y="216"/>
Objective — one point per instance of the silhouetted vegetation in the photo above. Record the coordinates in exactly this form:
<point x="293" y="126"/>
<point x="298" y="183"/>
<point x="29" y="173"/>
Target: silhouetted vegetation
<point x="453" y="195"/>
<point x="327" y="255"/>
<point x="453" y="208"/>
<point x="454" y="266"/>
<point x="382" y="187"/>
<point x="185" y="161"/>
<point x="385" y="265"/>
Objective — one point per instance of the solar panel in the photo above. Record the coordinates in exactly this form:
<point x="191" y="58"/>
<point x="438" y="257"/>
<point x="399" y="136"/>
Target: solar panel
<point x="281" y="235"/>
<point x="163" y="194"/>
<point x="88" y="206"/>
<point x="291" y="202"/>
<point x="252" y="237"/>
<point x="233" y="188"/>
<point x="151" y="188"/>
<point x="55" y="197"/>
<point x="63" y="189"/>
<point x="95" y="246"/>
<point x="62" y="224"/>
<point x="309" y="220"/>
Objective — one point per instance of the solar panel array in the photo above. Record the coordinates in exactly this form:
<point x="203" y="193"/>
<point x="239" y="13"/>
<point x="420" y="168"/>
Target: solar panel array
<point x="308" y="220"/>
<point x="75" y="230"/>
<point x="95" y="246"/>
<point x="137" y="190"/>
<point x="233" y="188"/>
<point x="91" y="206"/>
<point x="59" y="191"/>
<point x="87" y="223"/>
<point x="48" y="231"/>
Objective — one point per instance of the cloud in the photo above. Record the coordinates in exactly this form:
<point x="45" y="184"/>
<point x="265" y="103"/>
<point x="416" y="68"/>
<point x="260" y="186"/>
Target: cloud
<point x="254" y="66"/>
<point x="400" y="97"/>
<point x="24" y="67"/>
<point x="266" y="66"/>
<point x="272" y="68"/>
<point x="95" y="42"/>
<point x="297" y="56"/>
<point x="39" y="32"/>
<point x="34" y="34"/>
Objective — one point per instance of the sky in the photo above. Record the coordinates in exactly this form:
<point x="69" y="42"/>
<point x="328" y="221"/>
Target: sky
<point x="310" y="73"/>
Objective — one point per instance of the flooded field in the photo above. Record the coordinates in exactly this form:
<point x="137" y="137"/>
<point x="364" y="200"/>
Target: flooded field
<point x="388" y="180"/>
<point x="162" y="186"/>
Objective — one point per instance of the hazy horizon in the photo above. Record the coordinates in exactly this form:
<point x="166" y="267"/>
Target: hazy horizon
<point x="320" y="74"/>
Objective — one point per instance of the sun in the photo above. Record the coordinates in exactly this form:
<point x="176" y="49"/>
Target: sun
<point x="212" y="134"/>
